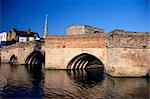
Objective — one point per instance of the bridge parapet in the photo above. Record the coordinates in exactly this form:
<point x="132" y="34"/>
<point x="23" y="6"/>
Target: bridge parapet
<point x="19" y="45"/>
<point x="125" y="39"/>
<point x="76" y="41"/>
<point x="20" y="50"/>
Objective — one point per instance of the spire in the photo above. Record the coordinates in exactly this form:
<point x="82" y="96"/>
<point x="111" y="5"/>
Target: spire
<point x="46" y="27"/>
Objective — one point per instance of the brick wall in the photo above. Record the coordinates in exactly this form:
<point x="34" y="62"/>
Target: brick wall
<point x="84" y="41"/>
<point x="116" y="39"/>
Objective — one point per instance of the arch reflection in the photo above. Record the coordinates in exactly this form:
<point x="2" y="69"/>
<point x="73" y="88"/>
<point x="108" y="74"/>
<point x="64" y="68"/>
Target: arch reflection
<point x="88" y="76"/>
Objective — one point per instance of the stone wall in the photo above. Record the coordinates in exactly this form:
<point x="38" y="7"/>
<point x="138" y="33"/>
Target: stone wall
<point x="118" y="62"/>
<point x="20" y="50"/>
<point x="121" y="38"/>
<point x="128" y="62"/>
<point x="128" y="53"/>
<point x="149" y="61"/>
<point x="129" y="50"/>
<point x="149" y="40"/>
<point x="123" y="53"/>
<point x="59" y="58"/>
<point x="83" y="30"/>
<point x="92" y="41"/>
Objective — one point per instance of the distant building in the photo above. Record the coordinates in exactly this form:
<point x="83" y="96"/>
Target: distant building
<point x="13" y="36"/>
<point x="3" y="38"/>
<point x="83" y="30"/>
<point x="22" y="36"/>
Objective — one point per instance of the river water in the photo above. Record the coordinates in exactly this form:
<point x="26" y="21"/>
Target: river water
<point x="21" y="82"/>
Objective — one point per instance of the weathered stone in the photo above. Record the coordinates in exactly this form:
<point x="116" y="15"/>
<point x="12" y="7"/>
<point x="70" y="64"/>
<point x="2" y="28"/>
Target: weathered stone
<point x="83" y="30"/>
<point x="123" y="53"/>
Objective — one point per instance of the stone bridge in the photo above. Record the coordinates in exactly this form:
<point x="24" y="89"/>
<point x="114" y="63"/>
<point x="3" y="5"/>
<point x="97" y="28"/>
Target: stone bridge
<point x="121" y="53"/>
<point x="21" y="53"/>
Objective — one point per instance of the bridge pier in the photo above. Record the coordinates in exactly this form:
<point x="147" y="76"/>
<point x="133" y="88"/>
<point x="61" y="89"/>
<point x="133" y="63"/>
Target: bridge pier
<point x="118" y="62"/>
<point x="128" y="62"/>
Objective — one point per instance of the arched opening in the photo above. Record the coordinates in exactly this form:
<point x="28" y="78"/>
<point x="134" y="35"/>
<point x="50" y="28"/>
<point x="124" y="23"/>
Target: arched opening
<point x="35" y="58"/>
<point x="13" y="59"/>
<point x="85" y="61"/>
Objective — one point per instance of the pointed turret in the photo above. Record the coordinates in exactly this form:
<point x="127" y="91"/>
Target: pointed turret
<point x="46" y="27"/>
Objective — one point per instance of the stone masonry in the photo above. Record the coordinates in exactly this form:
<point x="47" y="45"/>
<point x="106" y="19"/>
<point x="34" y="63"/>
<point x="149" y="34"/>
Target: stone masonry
<point x="123" y="53"/>
<point x="83" y="30"/>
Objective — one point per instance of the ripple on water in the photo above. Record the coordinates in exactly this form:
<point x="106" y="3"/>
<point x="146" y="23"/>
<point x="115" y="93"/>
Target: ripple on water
<point x="19" y="82"/>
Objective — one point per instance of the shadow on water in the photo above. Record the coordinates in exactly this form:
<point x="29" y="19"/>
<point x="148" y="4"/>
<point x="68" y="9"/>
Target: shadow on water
<point x="37" y="74"/>
<point x="95" y="83"/>
<point x="33" y="82"/>
<point x="29" y="87"/>
<point x="127" y="88"/>
<point x="88" y="76"/>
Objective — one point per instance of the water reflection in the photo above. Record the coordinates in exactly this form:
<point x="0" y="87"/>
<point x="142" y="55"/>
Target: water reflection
<point x="128" y="88"/>
<point x="22" y="82"/>
<point x="89" y="83"/>
<point x="88" y="76"/>
<point x="37" y="74"/>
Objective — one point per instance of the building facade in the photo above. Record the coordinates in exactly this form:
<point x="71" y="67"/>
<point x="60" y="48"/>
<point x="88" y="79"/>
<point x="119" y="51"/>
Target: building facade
<point x="3" y="38"/>
<point x="14" y="35"/>
<point x="22" y="36"/>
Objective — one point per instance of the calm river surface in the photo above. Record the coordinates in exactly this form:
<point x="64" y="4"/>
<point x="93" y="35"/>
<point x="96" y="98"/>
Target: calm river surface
<point x="21" y="82"/>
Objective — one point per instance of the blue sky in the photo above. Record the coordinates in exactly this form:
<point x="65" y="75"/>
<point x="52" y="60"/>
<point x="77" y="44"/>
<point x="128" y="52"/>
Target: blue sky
<point x="131" y="15"/>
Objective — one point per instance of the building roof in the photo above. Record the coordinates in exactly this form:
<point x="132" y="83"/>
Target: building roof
<point x="26" y="33"/>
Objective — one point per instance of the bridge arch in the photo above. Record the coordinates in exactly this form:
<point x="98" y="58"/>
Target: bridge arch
<point x="84" y="61"/>
<point x="13" y="59"/>
<point x="35" y="58"/>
